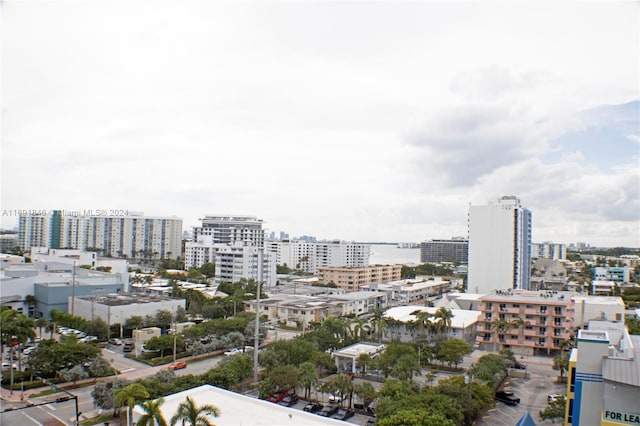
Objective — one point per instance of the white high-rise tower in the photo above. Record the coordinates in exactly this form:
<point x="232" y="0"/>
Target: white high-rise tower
<point x="499" y="246"/>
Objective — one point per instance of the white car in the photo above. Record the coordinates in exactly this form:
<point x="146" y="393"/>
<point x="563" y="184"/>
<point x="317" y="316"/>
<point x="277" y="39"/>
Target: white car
<point x="234" y="351"/>
<point x="28" y="350"/>
<point x="7" y="366"/>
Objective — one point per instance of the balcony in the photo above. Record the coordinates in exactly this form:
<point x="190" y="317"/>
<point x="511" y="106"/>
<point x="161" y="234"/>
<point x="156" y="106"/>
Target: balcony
<point x="531" y="312"/>
<point x="511" y="342"/>
<point x="513" y="310"/>
<point x="530" y="333"/>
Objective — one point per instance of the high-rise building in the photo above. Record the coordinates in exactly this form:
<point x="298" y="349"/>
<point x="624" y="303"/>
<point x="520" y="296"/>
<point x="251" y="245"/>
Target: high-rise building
<point x="221" y="229"/>
<point x="436" y="251"/>
<point x="129" y="235"/>
<point x="235" y="244"/>
<point x="309" y="256"/>
<point x="499" y="246"/>
<point x="548" y="250"/>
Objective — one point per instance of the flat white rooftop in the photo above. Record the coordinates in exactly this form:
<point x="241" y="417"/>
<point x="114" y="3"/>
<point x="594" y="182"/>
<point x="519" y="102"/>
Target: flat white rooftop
<point x="236" y="409"/>
<point x="360" y="348"/>
<point x="461" y="318"/>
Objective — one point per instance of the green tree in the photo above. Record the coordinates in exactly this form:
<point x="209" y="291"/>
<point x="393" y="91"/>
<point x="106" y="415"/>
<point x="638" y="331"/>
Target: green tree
<point x="285" y="377"/>
<point x="152" y="413"/>
<point x="561" y="363"/>
<point x="73" y="374"/>
<point x="452" y="351"/>
<point x="164" y="343"/>
<point x="405" y="366"/>
<point x="365" y="391"/>
<point x="554" y="410"/>
<point x="102" y="394"/>
<point x="129" y="396"/>
<point x="193" y="415"/>
<point x="308" y="377"/>
<point x="134" y="322"/>
<point x="97" y="327"/>
<point x="443" y="317"/>
<point x="415" y="417"/>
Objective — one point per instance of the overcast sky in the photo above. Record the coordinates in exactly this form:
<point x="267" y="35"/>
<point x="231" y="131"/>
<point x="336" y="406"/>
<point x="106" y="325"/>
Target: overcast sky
<point x="368" y="121"/>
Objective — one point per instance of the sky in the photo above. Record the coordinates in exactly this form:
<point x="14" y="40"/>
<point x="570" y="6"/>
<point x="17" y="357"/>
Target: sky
<point x="353" y="120"/>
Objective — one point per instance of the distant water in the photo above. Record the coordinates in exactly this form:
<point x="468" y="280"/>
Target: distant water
<point x="384" y="254"/>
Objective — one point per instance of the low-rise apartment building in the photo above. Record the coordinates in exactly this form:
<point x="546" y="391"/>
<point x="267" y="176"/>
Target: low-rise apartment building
<point x="527" y="322"/>
<point x="304" y="309"/>
<point x="352" y="278"/>
<point x="413" y="291"/>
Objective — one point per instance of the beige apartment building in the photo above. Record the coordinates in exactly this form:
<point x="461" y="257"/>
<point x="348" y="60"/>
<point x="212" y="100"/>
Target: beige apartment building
<point x="353" y="278"/>
<point x="527" y="322"/>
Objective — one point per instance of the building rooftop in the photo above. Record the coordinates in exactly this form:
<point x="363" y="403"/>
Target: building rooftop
<point x="127" y="299"/>
<point x="599" y="300"/>
<point x="236" y="409"/>
<point x="461" y="318"/>
<point x="624" y="370"/>
<point x="546" y="296"/>
<point x="355" y="350"/>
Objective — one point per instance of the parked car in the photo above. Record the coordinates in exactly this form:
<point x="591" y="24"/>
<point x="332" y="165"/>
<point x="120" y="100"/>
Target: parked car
<point x="278" y="396"/>
<point x="313" y="407"/>
<point x="88" y="339"/>
<point x="234" y="351"/>
<point x="127" y="347"/>
<point x="519" y="366"/>
<point x="334" y="398"/>
<point x="507" y="397"/>
<point x="555" y="397"/>
<point x="344" y="414"/>
<point x="8" y="366"/>
<point x="178" y="365"/>
<point x="115" y="341"/>
<point x="28" y="350"/>
<point x="289" y="400"/>
<point x="329" y="410"/>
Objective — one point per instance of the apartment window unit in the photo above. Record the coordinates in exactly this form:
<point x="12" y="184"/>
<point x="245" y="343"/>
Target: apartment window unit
<point x="543" y="320"/>
<point x="572" y="374"/>
<point x="515" y="305"/>
<point x="543" y="309"/>
<point x="503" y="307"/>
<point x="558" y="311"/>
<point x="570" y="416"/>
<point x="489" y="305"/>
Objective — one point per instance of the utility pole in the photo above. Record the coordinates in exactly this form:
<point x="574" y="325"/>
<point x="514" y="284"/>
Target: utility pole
<point x="73" y="289"/>
<point x="256" y="337"/>
<point x="175" y="334"/>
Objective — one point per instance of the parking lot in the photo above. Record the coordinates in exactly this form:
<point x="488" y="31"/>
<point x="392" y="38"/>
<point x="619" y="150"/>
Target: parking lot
<point x="532" y="391"/>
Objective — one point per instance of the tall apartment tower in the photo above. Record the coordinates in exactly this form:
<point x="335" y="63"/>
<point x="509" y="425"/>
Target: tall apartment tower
<point x="131" y="235"/>
<point x="499" y="246"/>
<point x="230" y="230"/>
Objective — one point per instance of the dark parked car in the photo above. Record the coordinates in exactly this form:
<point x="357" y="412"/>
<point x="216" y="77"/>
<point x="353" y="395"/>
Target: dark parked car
<point x="278" y="396"/>
<point x="329" y="410"/>
<point x="519" y="366"/>
<point x="507" y="397"/>
<point x="289" y="400"/>
<point x="313" y="407"/>
<point x="344" y="414"/>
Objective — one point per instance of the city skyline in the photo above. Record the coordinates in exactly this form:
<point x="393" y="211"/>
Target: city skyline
<point x="360" y="121"/>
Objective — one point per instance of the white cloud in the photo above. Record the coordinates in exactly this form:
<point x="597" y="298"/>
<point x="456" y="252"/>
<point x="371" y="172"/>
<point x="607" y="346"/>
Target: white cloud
<point x="355" y="120"/>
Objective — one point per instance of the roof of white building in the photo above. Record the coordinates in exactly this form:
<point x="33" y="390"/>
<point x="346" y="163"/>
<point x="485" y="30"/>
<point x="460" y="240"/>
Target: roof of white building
<point x="599" y="300"/>
<point x="355" y="350"/>
<point x="624" y="370"/>
<point x="236" y="409"/>
<point x="461" y="318"/>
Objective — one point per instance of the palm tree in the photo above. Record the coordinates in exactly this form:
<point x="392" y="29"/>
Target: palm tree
<point x="152" y="413"/>
<point x="41" y="323"/>
<point x="308" y="377"/>
<point x="195" y="415"/>
<point x="423" y="319"/>
<point x="443" y="317"/>
<point x="129" y="395"/>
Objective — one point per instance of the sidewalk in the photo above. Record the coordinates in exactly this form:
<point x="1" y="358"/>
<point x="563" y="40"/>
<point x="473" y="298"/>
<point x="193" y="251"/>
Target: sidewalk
<point x="19" y="396"/>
